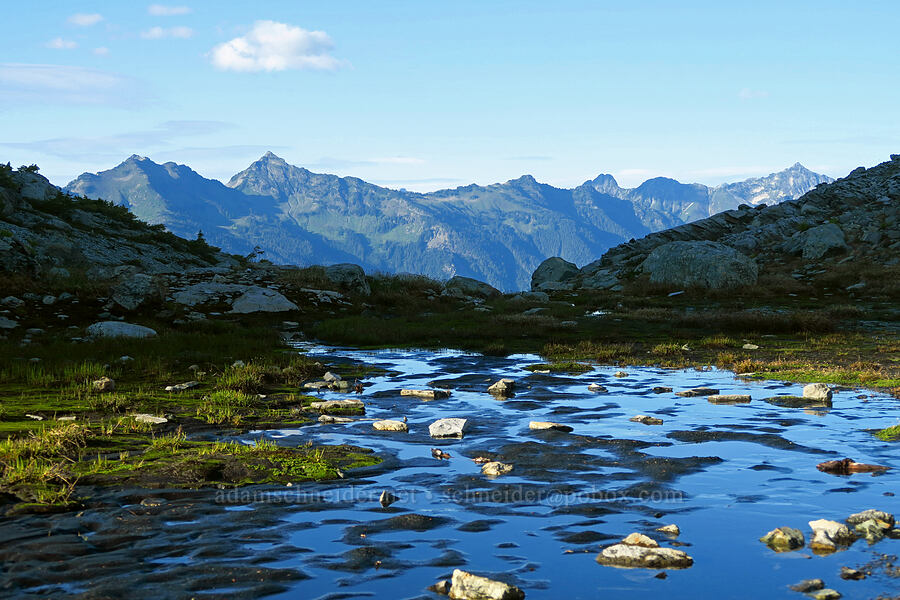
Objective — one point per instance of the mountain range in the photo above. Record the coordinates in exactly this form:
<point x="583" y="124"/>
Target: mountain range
<point x="497" y="233"/>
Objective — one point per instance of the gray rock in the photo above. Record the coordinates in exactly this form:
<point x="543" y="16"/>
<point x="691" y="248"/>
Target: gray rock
<point x="504" y="387"/>
<point x="878" y="515"/>
<point x="646" y="420"/>
<point x="327" y="405"/>
<point x="149" y="419"/>
<point x="827" y="535"/>
<point x="180" y="387"/>
<point x="431" y="394"/>
<point x="817" y="391"/>
<point x="466" y="586"/>
<point x="390" y="425"/>
<point x="530" y="298"/>
<point x="701" y="264"/>
<point x="553" y="270"/>
<point x="540" y="425"/>
<point x="7" y="323"/>
<point x="729" y="399"/>
<point x="258" y="299"/>
<point x="643" y="556"/>
<point x="104" y="384"/>
<point x="119" y="329"/>
<point x="12" y="302"/>
<point x="349" y="277"/>
<point x="808" y="585"/>
<point x="698" y="391"/>
<point x="138" y="290"/>
<point x="602" y="279"/>
<point x="822" y="240"/>
<point x="465" y="287"/>
<point x="496" y="468"/>
<point x="450" y="427"/>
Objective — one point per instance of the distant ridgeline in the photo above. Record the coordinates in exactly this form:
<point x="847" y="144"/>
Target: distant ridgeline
<point x="498" y="233"/>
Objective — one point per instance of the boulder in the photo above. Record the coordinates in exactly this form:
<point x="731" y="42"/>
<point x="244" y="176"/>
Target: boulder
<point x="104" y="384"/>
<point x="728" y="399"/>
<point x="504" y="387"/>
<point x="817" y="391"/>
<point x="495" y="468"/>
<point x="636" y="551"/>
<point x="552" y="271"/>
<point x="465" y="287"/>
<point x="823" y="240"/>
<point x="390" y="425"/>
<point x="258" y="299"/>
<point x="699" y="264"/>
<point x="602" y="279"/>
<point x="827" y="535"/>
<point x="782" y="539"/>
<point x="466" y="586"/>
<point x="349" y="277"/>
<point x="446" y="428"/>
<point x="137" y="290"/>
<point x="119" y="329"/>
<point x="887" y="519"/>
<point x="672" y="530"/>
<point x="431" y="394"/>
<point x="326" y="405"/>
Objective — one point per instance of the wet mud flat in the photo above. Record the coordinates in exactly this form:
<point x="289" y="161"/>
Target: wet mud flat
<point x="725" y="473"/>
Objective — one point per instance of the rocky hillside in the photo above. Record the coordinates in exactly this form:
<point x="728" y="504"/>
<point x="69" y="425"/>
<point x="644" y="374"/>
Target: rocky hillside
<point x="47" y="233"/>
<point x="495" y="233"/>
<point x="846" y="233"/>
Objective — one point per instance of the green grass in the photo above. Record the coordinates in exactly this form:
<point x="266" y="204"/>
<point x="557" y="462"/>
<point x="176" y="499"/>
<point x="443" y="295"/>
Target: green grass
<point x="889" y="434"/>
<point x="561" y="367"/>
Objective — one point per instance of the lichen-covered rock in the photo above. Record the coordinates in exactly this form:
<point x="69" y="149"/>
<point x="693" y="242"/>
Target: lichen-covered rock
<point x="119" y="329"/>
<point x="390" y="425"/>
<point x="450" y="427"/>
<point x="728" y="399"/>
<point x="828" y="535"/>
<point x="495" y="468"/>
<point x="817" y="391"/>
<point x="782" y="539"/>
<point x="504" y="387"/>
<point x="466" y="586"/>
<point x="349" y="277"/>
<point x="886" y="518"/>
<point x="699" y="264"/>
<point x="644" y="557"/>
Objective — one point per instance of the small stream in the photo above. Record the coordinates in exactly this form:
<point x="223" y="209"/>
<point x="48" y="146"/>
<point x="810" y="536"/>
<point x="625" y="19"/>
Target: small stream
<point x="725" y="474"/>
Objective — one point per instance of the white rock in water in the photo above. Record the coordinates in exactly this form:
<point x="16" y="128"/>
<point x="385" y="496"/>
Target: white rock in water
<point x="390" y="425"/>
<point x="827" y="535"/>
<point x="646" y="557"/>
<point x="119" y="329"/>
<point x="452" y="427"/>
<point x="337" y="405"/>
<point x="466" y="586"/>
<point x="504" y="387"/>
<point x="331" y="377"/>
<point x="495" y="468"/>
<point x="426" y="394"/>
<point x="817" y="391"/>
<point x="549" y="425"/>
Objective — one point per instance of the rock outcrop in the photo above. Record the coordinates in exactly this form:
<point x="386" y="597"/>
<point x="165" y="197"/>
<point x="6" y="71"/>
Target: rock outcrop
<point x="699" y="264"/>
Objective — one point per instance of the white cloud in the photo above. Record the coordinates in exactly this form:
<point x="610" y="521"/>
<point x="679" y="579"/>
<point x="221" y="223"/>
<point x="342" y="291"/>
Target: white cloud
<point x="161" y="10"/>
<point x="61" y="44"/>
<point x="748" y="94"/>
<point x="101" y="51"/>
<point x="272" y="46"/>
<point x="85" y="20"/>
<point x="61" y="84"/>
<point x="158" y="33"/>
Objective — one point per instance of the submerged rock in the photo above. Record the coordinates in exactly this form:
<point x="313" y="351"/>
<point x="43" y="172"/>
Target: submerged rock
<point x="646" y="420"/>
<point x="387" y="498"/>
<point x="466" y="586"/>
<point x="783" y="539"/>
<point x="549" y="425"/>
<point x="846" y="466"/>
<point x="431" y="394"/>
<point x="354" y="405"/>
<point x="729" y="399"/>
<point x="451" y="427"/>
<point x="597" y="388"/>
<point x="698" y="391"/>
<point x="808" y="585"/>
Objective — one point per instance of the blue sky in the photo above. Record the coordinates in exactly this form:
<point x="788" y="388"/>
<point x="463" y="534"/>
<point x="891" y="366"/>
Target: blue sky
<point x="427" y="95"/>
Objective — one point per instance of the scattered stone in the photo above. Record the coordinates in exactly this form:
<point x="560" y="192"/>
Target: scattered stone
<point x="504" y="387"/>
<point x="440" y="454"/>
<point x="466" y="586"/>
<point x="6" y="323"/>
<point x="150" y="419"/>
<point x="672" y="530"/>
<point x="822" y="240"/>
<point x="750" y="347"/>
<point x="431" y="394"/>
<point x="728" y="399"/>
<point x="549" y="425"/>
<point x="34" y="417"/>
<point x="327" y="405"/>
<point x="828" y="535"/>
<point x="387" y="498"/>
<point x="808" y="585"/>
<point x="136" y="290"/>
<point x="12" y="302"/>
<point x="886" y="519"/>
<point x="495" y="468"/>
<point x="825" y="594"/>
<point x="783" y="539"/>
<point x="817" y="391"/>
<point x="597" y="388"/>
<point x="451" y="427"/>
<point x="119" y="329"/>
<point x="699" y="391"/>
<point x="67" y="418"/>
<point x="852" y="574"/>
<point x="180" y="387"/>
<point x="333" y="419"/>
<point x="639" y="551"/>
<point x="620" y="374"/>
<point x="846" y="466"/>
<point x="661" y="390"/>
<point x="104" y="384"/>
<point x="646" y="420"/>
<point x="331" y="377"/>
<point x="389" y="425"/>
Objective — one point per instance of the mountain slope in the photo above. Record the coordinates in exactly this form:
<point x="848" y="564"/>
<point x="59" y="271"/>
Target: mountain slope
<point x="497" y="233"/>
